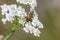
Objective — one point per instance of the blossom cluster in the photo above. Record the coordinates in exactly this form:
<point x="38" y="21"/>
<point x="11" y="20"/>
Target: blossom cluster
<point x="30" y="23"/>
<point x="32" y="3"/>
<point x="10" y="11"/>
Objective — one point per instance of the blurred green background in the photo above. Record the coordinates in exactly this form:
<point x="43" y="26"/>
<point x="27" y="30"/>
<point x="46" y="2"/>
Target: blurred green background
<point x="49" y="15"/>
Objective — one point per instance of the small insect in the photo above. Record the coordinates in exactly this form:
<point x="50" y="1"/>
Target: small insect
<point x="29" y="17"/>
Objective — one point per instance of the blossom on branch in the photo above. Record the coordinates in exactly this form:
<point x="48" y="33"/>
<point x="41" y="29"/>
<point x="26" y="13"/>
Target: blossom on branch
<point x="30" y="23"/>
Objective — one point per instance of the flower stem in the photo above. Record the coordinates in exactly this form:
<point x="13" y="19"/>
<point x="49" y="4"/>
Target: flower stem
<point x="10" y="34"/>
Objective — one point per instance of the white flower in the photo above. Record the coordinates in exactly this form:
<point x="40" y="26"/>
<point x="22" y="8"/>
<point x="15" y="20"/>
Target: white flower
<point x="22" y="21"/>
<point x="9" y="17"/>
<point x="12" y="9"/>
<point x="28" y="27"/>
<point x="32" y="3"/>
<point x="36" y="32"/>
<point x="21" y="12"/>
<point x="35" y="21"/>
<point x="24" y="1"/>
<point x="39" y="24"/>
<point x="13" y="12"/>
<point x="4" y="9"/>
<point x="4" y="21"/>
<point x="32" y="29"/>
<point x="34" y="25"/>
